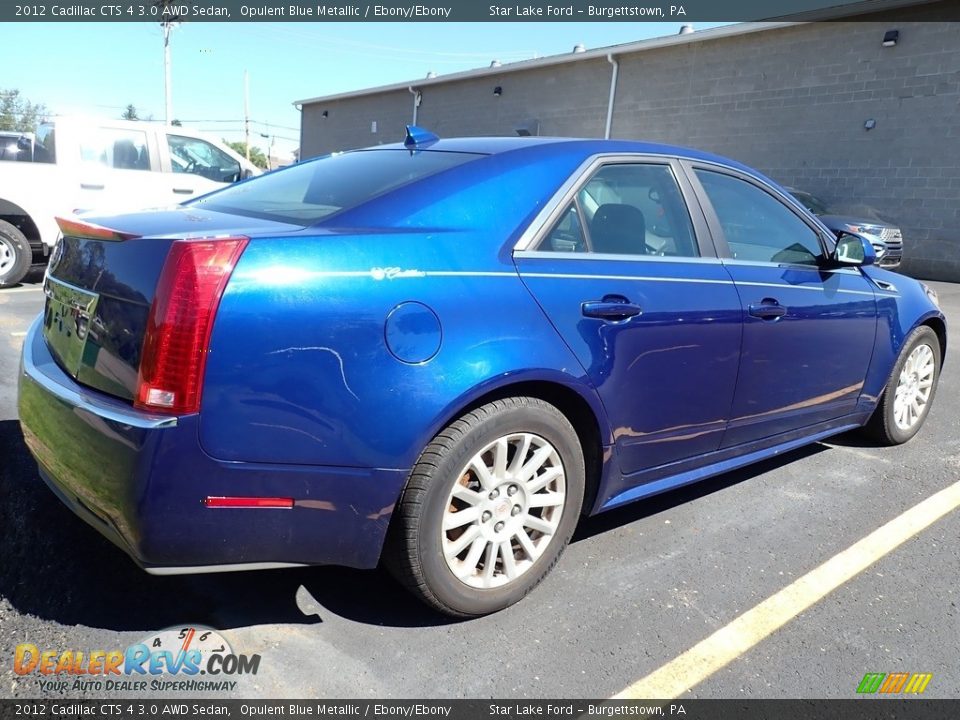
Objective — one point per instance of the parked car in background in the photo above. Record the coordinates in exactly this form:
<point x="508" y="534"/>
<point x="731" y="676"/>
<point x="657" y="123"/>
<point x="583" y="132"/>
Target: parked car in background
<point x="442" y="353"/>
<point x="886" y="238"/>
<point x="76" y="165"/>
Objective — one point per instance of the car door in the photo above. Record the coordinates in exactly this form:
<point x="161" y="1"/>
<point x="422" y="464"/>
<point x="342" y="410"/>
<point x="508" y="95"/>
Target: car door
<point x="628" y="278"/>
<point x="118" y="170"/>
<point x="808" y="327"/>
<point x="196" y="166"/>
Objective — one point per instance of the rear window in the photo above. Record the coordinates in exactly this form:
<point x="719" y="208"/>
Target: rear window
<point x="307" y="193"/>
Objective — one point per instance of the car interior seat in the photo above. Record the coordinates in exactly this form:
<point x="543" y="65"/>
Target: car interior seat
<point x="618" y="229"/>
<point x="125" y="155"/>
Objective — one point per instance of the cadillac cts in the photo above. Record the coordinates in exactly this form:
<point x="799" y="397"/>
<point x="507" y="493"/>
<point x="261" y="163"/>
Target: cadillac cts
<point x="439" y="354"/>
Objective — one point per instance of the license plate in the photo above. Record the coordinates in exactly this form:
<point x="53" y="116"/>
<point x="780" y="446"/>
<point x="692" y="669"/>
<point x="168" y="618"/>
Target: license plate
<point x="66" y="321"/>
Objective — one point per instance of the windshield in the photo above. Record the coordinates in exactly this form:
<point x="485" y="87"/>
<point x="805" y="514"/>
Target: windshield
<point x="307" y="193"/>
<point x="811" y="202"/>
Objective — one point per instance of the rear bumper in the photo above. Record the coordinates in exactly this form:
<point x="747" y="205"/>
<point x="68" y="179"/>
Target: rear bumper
<point x="141" y="480"/>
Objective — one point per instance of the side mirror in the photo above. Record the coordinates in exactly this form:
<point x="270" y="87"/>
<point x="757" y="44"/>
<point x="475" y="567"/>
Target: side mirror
<point x="247" y="173"/>
<point x="853" y="249"/>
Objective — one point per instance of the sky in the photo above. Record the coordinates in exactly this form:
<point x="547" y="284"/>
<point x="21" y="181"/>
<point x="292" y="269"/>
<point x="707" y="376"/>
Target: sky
<point x="97" y="69"/>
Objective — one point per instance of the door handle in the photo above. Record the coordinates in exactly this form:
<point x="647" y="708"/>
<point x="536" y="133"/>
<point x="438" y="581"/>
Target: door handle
<point x="767" y="309"/>
<point x="91" y="186"/>
<point x="183" y="191"/>
<point x="612" y="307"/>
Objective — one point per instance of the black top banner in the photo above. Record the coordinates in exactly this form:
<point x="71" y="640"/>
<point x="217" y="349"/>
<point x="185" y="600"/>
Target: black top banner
<point x="445" y="10"/>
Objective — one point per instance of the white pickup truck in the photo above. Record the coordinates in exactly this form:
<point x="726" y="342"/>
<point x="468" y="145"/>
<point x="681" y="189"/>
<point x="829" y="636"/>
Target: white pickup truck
<point x="73" y="165"/>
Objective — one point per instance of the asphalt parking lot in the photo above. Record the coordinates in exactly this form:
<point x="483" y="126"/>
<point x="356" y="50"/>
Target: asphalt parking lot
<point x="637" y="588"/>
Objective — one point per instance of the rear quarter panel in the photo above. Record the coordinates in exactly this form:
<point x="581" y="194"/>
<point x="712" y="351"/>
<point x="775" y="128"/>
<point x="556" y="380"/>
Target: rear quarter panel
<point x="300" y="371"/>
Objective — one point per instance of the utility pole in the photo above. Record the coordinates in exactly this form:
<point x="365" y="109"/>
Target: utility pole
<point x="246" y="112"/>
<point x="171" y="19"/>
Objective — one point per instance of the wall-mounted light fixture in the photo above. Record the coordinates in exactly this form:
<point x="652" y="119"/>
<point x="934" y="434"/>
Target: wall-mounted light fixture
<point x="528" y="128"/>
<point x="495" y="63"/>
<point x="890" y="38"/>
<point x="579" y="48"/>
<point x="497" y="91"/>
<point x="325" y="114"/>
<point x="870" y="124"/>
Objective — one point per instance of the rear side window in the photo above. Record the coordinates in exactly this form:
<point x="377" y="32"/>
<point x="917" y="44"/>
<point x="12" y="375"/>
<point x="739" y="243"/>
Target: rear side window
<point x="307" y="193"/>
<point x="119" y="149"/>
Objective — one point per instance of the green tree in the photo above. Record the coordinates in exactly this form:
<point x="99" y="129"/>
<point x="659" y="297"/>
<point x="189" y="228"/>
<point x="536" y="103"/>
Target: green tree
<point x="256" y="154"/>
<point x="19" y="114"/>
<point x="130" y="113"/>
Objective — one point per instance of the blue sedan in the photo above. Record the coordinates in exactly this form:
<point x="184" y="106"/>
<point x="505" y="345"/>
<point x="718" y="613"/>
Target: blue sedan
<point x="440" y="354"/>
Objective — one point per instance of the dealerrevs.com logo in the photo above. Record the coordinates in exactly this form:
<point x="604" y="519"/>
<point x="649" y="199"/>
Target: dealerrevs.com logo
<point x="182" y="652"/>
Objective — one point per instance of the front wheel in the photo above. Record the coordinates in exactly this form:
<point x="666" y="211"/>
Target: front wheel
<point x="909" y="391"/>
<point x="489" y="507"/>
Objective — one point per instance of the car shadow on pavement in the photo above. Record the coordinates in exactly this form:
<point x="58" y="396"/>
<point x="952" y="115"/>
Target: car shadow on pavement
<point x="632" y="512"/>
<point x="57" y="568"/>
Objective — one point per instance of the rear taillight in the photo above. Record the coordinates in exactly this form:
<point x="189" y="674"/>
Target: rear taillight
<point x="176" y="344"/>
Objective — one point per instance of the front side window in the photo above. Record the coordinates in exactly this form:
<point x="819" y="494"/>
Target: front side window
<point x="119" y="149"/>
<point x="198" y="157"/>
<point x="627" y="209"/>
<point x="757" y="226"/>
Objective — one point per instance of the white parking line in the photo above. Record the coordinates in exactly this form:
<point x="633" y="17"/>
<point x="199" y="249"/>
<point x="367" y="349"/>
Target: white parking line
<point x="20" y="333"/>
<point x="734" y="639"/>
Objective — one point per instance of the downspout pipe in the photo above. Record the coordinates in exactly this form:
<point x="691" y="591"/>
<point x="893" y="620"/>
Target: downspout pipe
<point x="613" y="92"/>
<point x="416" y="102"/>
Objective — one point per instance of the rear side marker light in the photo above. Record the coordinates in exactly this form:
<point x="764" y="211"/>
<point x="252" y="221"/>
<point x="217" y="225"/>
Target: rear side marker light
<point x="177" y="340"/>
<point x="249" y="502"/>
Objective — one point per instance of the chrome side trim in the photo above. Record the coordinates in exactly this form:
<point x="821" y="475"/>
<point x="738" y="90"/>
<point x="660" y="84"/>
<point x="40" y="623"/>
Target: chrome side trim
<point x="803" y="287"/>
<point x="79" y="398"/>
<point x="199" y="569"/>
<point x="585" y="276"/>
<point x="549" y="255"/>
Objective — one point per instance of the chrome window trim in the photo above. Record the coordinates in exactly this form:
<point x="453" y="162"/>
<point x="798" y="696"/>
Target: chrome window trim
<point x="613" y="257"/>
<point x="566" y="193"/>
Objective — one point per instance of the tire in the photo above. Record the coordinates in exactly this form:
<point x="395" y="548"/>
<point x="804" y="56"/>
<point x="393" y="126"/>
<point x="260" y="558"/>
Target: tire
<point x="15" y="255"/>
<point x="918" y="364"/>
<point x="421" y="550"/>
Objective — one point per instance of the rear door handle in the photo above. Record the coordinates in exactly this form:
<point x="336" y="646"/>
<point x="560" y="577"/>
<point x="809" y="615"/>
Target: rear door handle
<point x="183" y="191"/>
<point x="612" y="307"/>
<point x="767" y="309"/>
<point x="91" y="186"/>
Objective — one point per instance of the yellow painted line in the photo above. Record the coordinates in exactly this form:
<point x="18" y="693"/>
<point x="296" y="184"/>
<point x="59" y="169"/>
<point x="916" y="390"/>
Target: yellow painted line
<point x="19" y="334"/>
<point x="729" y="642"/>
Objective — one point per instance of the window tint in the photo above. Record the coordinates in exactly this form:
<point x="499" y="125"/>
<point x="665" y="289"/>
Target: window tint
<point x="121" y="149"/>
<point x="637" y="209"/>
<point x="198" y="157"/>
<point x="307" y="193"/>
<point x="45" y="147"/>
<point x="757" y="226"/>
<point x="566" y="235"/>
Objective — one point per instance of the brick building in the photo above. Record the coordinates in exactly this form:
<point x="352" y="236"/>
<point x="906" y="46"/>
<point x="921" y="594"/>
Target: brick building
<point x="791" y="99"/>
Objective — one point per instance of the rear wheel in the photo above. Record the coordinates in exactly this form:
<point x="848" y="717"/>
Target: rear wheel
<point x="489" y="507"/>
<point x="15" y="255"/>
<point x="909" y="392"/>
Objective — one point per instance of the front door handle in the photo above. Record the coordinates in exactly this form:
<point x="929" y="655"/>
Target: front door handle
<point x="612" y="307"/>
<point x="91" y="186"/>
<point x="183" y="191"/>
<point x="767" y="309"/>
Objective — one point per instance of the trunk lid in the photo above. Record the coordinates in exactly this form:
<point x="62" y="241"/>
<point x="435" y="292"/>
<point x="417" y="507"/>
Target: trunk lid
<point x="100" y="286"/>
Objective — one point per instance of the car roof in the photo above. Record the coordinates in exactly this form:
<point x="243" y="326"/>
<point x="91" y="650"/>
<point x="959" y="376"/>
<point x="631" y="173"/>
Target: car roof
<point x="586" y="147"/>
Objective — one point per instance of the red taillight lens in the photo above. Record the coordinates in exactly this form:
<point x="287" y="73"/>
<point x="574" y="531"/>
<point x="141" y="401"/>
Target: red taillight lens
<point x="181" y="319"/>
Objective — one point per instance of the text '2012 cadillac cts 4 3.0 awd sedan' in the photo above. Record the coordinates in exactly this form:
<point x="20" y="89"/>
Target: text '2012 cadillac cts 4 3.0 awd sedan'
<point x="441" y="353"/>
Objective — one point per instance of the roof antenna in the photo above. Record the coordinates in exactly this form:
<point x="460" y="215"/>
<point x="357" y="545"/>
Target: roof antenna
<point x="418" y="138"/>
